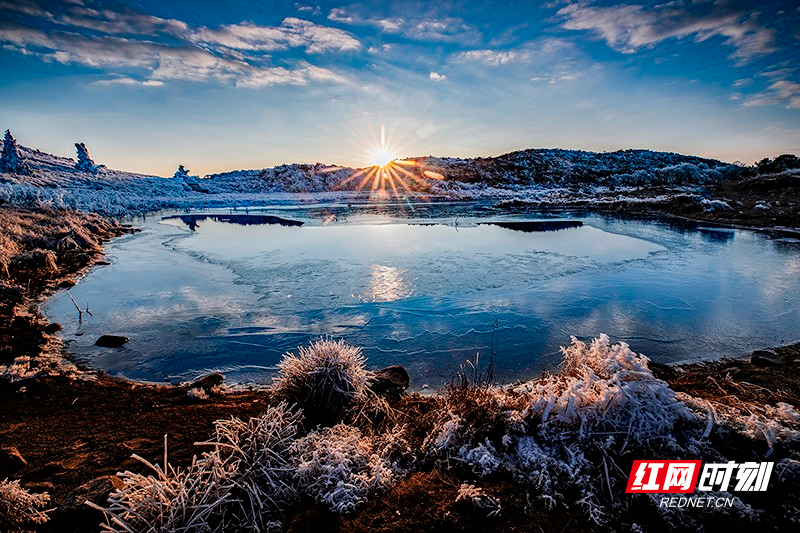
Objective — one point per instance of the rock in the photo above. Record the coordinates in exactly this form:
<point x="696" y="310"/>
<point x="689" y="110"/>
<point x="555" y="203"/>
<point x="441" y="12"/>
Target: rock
<point x="390" y="382"/>
<point x="10" y="462"/>
<point x="40" y="486"/>
<point x="55" y="327"/>
<point x="208" y="382"/>
<point x="54" y="468"/>
<point x="766" y="358"/>
<point x="73" y="509"/>
<point x="110" y="341"/>
<point x="95" y="491"/>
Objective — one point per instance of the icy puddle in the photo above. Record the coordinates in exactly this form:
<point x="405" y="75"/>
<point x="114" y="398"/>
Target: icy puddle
<point x="426" y="287"/>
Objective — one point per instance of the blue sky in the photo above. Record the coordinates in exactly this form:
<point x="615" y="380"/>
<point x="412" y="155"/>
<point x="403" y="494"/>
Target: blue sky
<point x="223" y="85"/>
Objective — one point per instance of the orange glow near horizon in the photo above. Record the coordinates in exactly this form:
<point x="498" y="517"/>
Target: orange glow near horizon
<point x="387" y="174"/>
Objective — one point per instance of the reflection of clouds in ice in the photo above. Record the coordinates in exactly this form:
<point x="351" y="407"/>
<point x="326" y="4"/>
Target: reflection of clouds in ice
<point x="428" y="296"/>
<point x="783" y="280"/>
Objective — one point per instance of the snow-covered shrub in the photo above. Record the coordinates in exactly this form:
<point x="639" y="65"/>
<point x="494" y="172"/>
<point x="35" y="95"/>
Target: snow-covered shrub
<point x="171" y="500"/>
<point x="242" y="484"/>
<point x="323" y="379"/>
<point x="10" y="161"/>
<point x="181" y="173"/>
<point x="257" y="453"/>
<point x="477" y="498"/>
<point x="682" y="174"/>
<point x="340" y="468"/>
<point x="18" y="507"/>
<point x="475" y="422"/>
<point x="605" y="389"/>
<point x="564" y="433"/>
<point x="715" y="205"/>
<point x="774" y="424"/>
<point x="85" y="162"/>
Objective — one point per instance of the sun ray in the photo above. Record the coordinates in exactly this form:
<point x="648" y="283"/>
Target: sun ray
<point x="389" y="176"/>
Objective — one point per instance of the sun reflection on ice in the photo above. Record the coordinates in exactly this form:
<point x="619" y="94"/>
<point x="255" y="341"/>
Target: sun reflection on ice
<point x="387" y="284"/>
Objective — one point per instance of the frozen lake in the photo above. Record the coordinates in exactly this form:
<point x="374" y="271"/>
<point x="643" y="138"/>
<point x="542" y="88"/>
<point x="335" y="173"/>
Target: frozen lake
<point x="426" y="286"/>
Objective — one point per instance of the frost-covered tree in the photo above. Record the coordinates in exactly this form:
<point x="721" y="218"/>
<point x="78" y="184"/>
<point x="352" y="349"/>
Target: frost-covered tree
<point x="181" y="172"/>
<point x="85" y="163"/>
<point x="10" y="161"/>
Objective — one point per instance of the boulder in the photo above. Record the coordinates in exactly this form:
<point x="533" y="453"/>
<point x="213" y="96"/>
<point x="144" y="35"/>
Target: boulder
<point x="53" y="327"/>
<point x="110" y="341"/>
<point x="390" y="382"/>
<point x="10" y="462"/>
<point x="766" y="358"/>
<point x="208" y="382"/>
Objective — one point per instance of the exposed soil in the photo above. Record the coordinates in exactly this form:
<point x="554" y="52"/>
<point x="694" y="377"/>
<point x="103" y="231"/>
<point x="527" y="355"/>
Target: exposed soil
<point x="73" y="428"/>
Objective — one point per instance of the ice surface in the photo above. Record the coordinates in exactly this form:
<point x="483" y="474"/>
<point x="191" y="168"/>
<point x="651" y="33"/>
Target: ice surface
<point x="423" y="287"/>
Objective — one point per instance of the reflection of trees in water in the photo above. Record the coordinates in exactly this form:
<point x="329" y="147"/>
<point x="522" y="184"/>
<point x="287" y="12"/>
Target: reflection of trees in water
<point x="193" y="221"/>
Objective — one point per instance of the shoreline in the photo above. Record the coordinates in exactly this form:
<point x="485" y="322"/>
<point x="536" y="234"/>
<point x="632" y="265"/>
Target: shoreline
<point x="74" y="427"/>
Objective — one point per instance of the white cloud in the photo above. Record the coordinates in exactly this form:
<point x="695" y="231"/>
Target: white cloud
<point x="630" y="27"/>
<point x="492" y="58"/>
<point x="130" y="82"/>
<point x="435" y="76"/>
<point x="292" y="33"/>
<point x="27" y="8"/>
<point x="314" y="10"/>
<point x="125" y="22"/>
<point x="553" y="79"/>
<point x="119" y="41"/>
<point x="443" y="29"/>
<point x="781" y="92"/>
<point x="379" y="49"/>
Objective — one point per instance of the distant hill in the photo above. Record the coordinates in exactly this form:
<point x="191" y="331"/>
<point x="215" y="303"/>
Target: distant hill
<point x="556" y="167"/>
<point x="56" y="181"/>
<point x="521" y="169"/>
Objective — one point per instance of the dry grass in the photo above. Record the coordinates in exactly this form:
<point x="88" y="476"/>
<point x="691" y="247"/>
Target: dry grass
<point x="33" y="240"/>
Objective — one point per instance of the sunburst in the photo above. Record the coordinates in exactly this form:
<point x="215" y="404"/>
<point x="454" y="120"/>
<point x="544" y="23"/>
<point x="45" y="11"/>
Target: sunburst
<point x="387" y="174"/>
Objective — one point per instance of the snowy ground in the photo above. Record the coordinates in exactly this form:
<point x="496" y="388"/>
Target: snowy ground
<point x="545" y="178"/>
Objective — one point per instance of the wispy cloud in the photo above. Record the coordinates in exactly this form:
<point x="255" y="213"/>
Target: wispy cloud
<point x="124" y="22"/>
<point x="630" y="27"/>
<point x="492" y="58"/>
<point x="292" y="33"/>
<point x="435" y="76"/>
<point x="418" y="28"/>
<point x="542" y="51"/>
<point x="94" y="35"/>
<point x="130" y="82"/>
<point x="781" y="92"/>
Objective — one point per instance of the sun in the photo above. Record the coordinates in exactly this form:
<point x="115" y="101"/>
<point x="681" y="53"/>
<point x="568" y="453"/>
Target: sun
<point x="381" y="158"/>
<point x="386" y="174"/>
